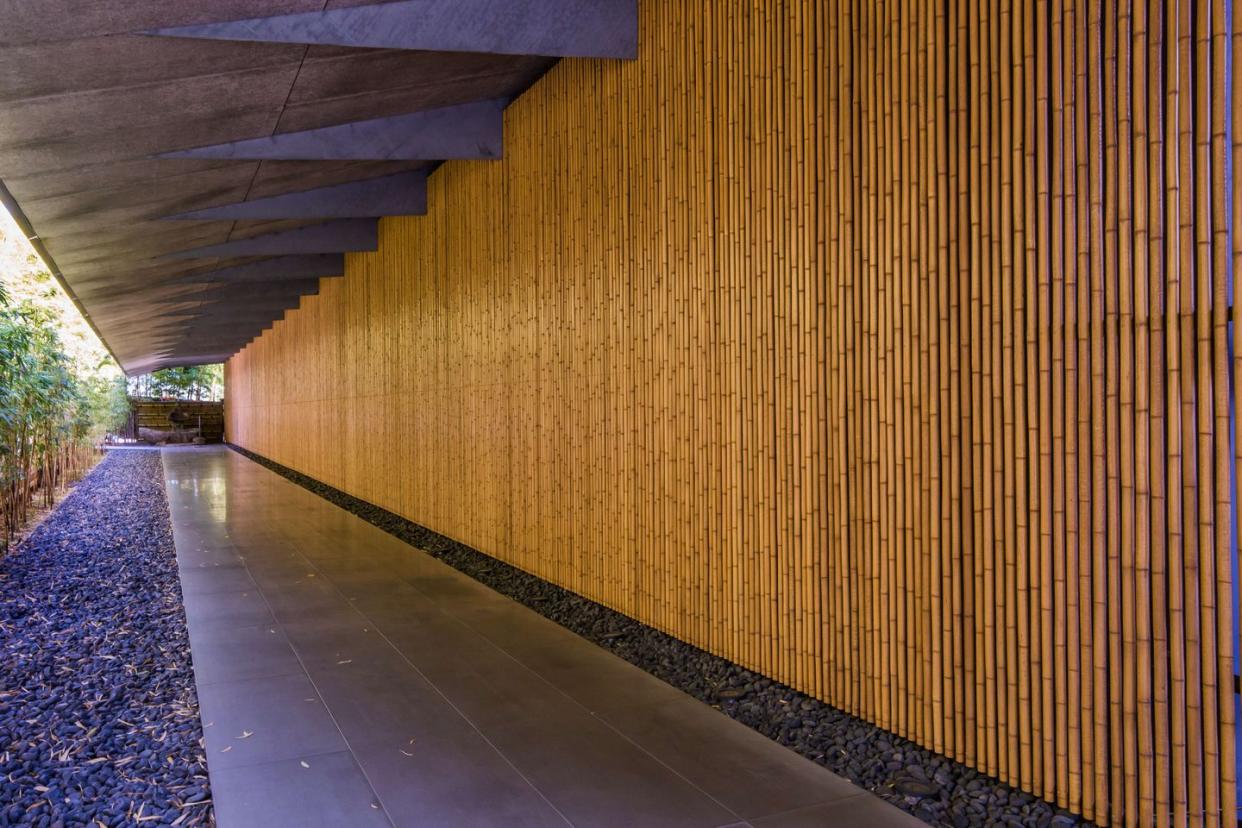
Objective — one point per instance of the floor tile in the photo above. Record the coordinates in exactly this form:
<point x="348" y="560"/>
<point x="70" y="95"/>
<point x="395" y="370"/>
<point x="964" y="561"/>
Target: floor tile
<point x="726" y="759"/>
<point x="383" y="701"/>
<point x="449" y="775"/>
<point x="227" y="609"/>
<point x="396" y="606"/>
<point x="862" y="811"/>
<point x="237" y="653"/>
<point x="589" y="674"/>
<point x="215" y="579"/>
<point x="274" y="564"/>
<point x="596" y="779"/>
<point x="485" y="684"/>
<point x="345" y="641"/>
<point x="191" y="556"/>
<point x="456" y="590"/>
<point x="192" y="538"/>
<point x="305" y="595"/>
<point x="283" y="715"/>
<point x="318" y="791"/>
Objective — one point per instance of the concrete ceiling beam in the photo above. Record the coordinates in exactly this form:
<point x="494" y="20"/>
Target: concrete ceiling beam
<point x="346" y="235"/>
<point x="393" y="195"/>
<point x="256" y="290"/>
<point x="315" y="266"/>
<point x="551" y="28"/>
<point x="466" y="131"/>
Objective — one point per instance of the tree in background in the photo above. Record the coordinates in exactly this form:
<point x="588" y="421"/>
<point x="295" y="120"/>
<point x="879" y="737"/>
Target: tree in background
<point x="195" y="382"/>
<point x="107" y="399"/>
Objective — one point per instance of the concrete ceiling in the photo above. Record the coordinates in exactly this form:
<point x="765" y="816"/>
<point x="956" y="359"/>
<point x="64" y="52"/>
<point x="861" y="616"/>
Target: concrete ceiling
<point x="87" y="102"/>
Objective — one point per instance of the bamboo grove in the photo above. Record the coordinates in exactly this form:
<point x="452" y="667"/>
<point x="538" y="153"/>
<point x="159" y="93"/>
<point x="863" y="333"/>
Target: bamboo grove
<point x="49" y="412"/>
<point x="881" y="347"/>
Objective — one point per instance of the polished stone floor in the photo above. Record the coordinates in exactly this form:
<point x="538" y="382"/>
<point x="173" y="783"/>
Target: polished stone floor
<point x="346" y="679"/>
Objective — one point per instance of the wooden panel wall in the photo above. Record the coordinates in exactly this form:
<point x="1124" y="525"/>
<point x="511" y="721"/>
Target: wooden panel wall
<point x="877" y="346"/>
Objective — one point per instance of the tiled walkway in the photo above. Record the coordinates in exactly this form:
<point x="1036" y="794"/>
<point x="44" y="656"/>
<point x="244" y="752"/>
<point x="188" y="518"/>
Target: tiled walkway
<point x="346" y="679"/>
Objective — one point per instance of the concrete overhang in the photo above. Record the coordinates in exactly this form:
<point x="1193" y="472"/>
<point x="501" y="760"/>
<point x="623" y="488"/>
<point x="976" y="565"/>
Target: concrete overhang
<point x="94" y="97"/>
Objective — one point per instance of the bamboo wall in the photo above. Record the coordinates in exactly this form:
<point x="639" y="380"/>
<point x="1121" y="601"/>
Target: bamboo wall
<point x="877" y="346"/>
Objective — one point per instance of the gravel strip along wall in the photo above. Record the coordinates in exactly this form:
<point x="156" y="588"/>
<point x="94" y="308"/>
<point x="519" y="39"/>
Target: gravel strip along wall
<point x="98" y="714"/>
<point x="933" y="788"/>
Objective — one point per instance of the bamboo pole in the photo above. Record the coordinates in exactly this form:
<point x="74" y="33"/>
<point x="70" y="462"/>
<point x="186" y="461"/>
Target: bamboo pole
<point x="1173" y="411"/>
<point x="1099" y="435"/>
<point x="1229" y="89"/>
<point x="1145" y="791"/>
<point x="1204" y="293"/>
<point x="1158" y="232"/>
<point x="1190" y="473"/>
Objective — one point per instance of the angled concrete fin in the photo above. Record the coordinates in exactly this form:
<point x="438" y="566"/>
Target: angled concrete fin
<point x="271" y="270"/>
<point x="472" y="130"/>
<point x="225" y="303"/>
<point x="212" y="339"/>
<point x="213" y="335"/>
<point x="555" y="28"/>
<point x="250" y="318"/>
<point x="162" y="322"/>
<point x="246" y="310"/>
<point x="283" y="287"/>
<point x="347" y="235"/>
<point x="220" y="331"/>
<point x="404" y="194"/>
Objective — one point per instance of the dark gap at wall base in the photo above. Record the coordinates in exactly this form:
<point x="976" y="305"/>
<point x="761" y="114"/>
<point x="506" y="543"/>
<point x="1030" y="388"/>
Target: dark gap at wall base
<point x="933" y="788"/>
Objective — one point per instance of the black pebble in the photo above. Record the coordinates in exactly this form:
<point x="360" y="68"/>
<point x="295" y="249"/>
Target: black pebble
<point x="102" y="563"/>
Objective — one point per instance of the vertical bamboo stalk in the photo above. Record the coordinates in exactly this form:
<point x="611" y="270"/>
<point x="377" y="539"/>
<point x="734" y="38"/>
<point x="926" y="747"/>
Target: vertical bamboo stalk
<point x="1185" y="318"/>
<point x="1144" y="736"/>
<point x="1125" y="309"/>
<point x="1028" y="411"/>
<point x="1076" y="619"/>
<point x="1230" y="90"/>
<point x="1158" y="232"/>
<point x="1204" y="294"/>
<point x="1099" y="434"/>
<point x="1173" y="411"/>
<point x="1010" y="389"/>
<point x="1062" y="47"/>
<point x="972" y="495"/>
<point x="1046" y="261"/>
<point x="993" y="425"/>
<point x="959" y="424"/>
<point x="938" y="158"/>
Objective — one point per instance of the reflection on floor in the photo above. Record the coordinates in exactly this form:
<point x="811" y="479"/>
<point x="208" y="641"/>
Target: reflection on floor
<point x="346" y="679"/>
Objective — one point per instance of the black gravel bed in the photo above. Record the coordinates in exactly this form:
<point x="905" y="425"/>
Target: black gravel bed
<point x="937" y="790"/>
<point x="99" y="719"/>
